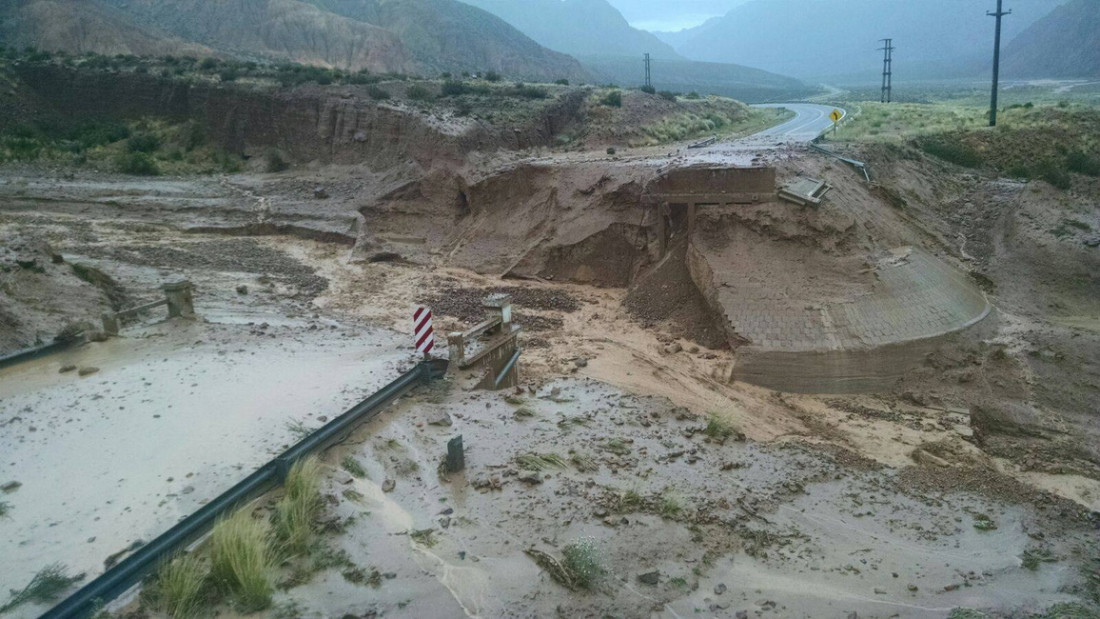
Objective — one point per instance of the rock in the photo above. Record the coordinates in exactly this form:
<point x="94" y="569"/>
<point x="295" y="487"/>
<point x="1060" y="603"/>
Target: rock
<point x="719" y="589"/>
<point x="649" y="578"/>
<point x="442" y="420"/>
<point x="531" y="478"/>
<point x="67" y="368"/>
<point x="580" y="362"/>
<point x="187" y="490"/>
<point x="914" y="398"/>
<point x="242" y="289"/>
<point x="673" y="348"/>
<point x="912" y="587"/>
<point x="389" y="485"/>
<point x="879" y="591"/>
<point x="742" y="614"/>
<point x="601" y="513"/>
<point x="98" y="336"/>
<point x="11" y="486"/>
<point x="319" y="193"/>
<point x="88" y="371"/>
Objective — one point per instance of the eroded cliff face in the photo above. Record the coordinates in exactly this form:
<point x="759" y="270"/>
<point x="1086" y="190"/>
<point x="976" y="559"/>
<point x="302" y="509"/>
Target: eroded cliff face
<point x="329" y="125"/>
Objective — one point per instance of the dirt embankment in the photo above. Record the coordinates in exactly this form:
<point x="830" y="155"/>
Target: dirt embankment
<point x="339" y="124"/>
<point x="43" y="297"/>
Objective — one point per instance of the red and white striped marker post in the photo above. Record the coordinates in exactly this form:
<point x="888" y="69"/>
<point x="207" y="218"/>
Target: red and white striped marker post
<point x="422" y="328"/>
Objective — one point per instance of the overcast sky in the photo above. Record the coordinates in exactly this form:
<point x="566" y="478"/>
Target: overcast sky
<point x="672" y="14"/>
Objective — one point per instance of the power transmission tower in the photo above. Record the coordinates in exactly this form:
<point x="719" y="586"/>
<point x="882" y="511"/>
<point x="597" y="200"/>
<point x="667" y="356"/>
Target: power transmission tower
<point x="887" y="69"/>
<point x="996" y="62"/>
<point x="648" y="73"/>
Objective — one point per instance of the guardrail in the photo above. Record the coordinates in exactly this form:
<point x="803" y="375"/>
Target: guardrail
<point x="131" y="570"/>
<point x="177" y="297"/>
<point x="35" y="352"/>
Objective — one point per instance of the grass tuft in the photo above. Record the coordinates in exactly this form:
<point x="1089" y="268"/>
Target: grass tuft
<point x="241" y="560"/>
<point x="296" y="512"/>
<point x="670" y="506"/>
<point x="583" y="561"/>
<point x="179" y="590"/>
<point x="539" y="462"/>
<point x="584" y="463"/>
<point x="352" y="466"/>
<point x="46" y="586"/>
<point x="719" y="429"/>
<point x="5" y="507"/>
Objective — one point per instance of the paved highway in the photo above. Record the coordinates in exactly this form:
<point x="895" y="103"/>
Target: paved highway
<point x="809" y="122"/>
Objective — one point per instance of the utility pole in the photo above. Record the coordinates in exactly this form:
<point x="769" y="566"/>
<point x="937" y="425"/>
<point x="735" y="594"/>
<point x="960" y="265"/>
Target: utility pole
<point x="996" y="62"/>
<point x="648" y="74"/>
<point x="887" y="69"/>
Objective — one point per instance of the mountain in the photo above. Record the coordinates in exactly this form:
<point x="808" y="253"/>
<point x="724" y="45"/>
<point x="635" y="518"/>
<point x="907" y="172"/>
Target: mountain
<point x="577" y="27"/>
<point x="609" y="48"/>
<point x="414" y="36"/>
<point x="730" y="80"/>
<point x="1064" y="44"/>
<point x="814" y="39"/>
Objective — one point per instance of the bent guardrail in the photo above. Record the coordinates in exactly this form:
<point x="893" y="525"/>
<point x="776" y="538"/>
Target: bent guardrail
<point x="129" y="572"/>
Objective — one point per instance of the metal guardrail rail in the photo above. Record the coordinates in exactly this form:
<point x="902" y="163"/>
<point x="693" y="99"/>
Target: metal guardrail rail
<point x="129" y="572"/>
<point x="19" y="356"/>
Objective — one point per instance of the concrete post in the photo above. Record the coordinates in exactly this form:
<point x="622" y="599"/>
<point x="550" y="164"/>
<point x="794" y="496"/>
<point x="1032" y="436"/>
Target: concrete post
<point x="456" y="455"/>
<point x="500" y="306"/>
<point x="456" y="342"/>
<point x="180" y="302"/>
<point x="110" y="323"/>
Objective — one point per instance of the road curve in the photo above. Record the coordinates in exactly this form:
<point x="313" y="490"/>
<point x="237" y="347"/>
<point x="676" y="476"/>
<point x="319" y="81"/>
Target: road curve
<point x="810" y="121"/>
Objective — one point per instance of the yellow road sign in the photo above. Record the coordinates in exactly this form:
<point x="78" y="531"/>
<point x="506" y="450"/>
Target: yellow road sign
<point x="836" y="116"/>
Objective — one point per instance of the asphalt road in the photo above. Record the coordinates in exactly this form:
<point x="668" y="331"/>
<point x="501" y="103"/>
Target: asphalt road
<point x="809" y="122"/>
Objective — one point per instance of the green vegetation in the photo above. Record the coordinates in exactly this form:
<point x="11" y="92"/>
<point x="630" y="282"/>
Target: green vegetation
<point x="179" y="586"/>
<point x="424" y="537"/>
<point x="5" y="508"/>
<point x="584" y="463"/>
<point x="242" y="561"/>
<point x="613" y="99"/>
<point x="670" y="507"/>
<point x="719" y="429"/>
<point x="1033" y="557"/>
<point x="582" y="560"/>
<point x="628" y="501"/>
<point x="617" y="446"/>
<point x="983" y="522"/>
<point x="46" y="586"/>
<point x="296" y="512"/>
<point x="540" y="462"/>
<point x="351" y="465"/>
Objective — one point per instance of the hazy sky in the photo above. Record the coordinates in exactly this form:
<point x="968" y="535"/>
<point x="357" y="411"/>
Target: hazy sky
<point x="671" y="14"/>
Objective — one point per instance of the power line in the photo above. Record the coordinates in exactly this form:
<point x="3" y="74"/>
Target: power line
<point x="887" y="69"/>
<point x="996" y="62"/>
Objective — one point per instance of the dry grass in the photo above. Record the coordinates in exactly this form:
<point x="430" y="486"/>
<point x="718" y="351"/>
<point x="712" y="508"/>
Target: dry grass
<point x="46" y="586"/>
<point x="179" y="589"/>
<point x="296" y="512"/>
<point x="241" y="560"/>
<point x="540" y="462"/>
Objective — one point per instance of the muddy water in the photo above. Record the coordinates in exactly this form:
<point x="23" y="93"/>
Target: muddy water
<point x="176" y="414"/>
<point x="780" y="530"/>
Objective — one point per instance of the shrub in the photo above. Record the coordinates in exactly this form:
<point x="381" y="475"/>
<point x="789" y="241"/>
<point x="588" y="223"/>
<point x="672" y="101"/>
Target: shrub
<point x="178" y="589"/>
<point x="416" y="92"/>
<point x="275" y="162"/>
<point x="610" y="150"/>
<point x="650" y="90"/>
<point x="208" y="64"/>
<point x="299" y="507"/>
<point x="582" y="560"/>
<point x="453" y="88"/>
<point x="1082" y="163"/>
<point x="529" y="92"/>
<point x="351" y="465"/>
<point x="562" y="82"/>
<point x="951" y="151"/>
<point x="241" y="561"/>
<point x="143" y="143"/>
<point x="667" y="95"/>
<point x="1051" y="172"/>
<point x="139" y="164"/>
<point x="613" y="99"/>
<point x="228" y="75"/>
<point x="493" y="76"/>
<point x="694" y="96"/>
